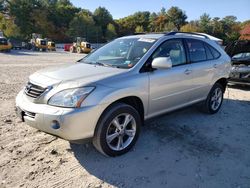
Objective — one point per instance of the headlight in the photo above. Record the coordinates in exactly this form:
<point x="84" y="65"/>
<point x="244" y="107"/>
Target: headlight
<point x="70" y="97"/>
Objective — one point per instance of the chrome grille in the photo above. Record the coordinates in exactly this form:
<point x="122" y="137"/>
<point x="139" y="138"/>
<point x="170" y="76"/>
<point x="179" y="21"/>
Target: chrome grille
<point x="33" y="90"/>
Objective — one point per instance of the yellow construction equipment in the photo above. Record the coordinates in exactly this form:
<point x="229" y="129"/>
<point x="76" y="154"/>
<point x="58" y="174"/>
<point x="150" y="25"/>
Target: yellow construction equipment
<point x="5" y="45"/>
<point x="51" y="46"/>
<point x="80" y="46"/>
<point x="38" y="43"/>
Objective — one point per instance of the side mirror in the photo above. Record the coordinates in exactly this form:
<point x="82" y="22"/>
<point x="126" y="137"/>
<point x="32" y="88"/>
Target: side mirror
<point x="162" y="63"/>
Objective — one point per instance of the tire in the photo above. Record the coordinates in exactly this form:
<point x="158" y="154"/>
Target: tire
<point x="123" y="138"/>
<point x="71" y="49"/>
<point x="79" y="50"/>
<point x="214" y="99"/>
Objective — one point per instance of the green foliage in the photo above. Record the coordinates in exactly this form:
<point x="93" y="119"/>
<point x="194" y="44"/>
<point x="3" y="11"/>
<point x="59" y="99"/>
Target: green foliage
<point x="139" y="29"/>
<point x="111" y="32"/>
<point x="190" y="27"/>
<point x="102" y="18"/>
<point x="8" y="27"/>
<point x="83" y="25"/>
<point x="61" y="21"/>
<point x="177" y="17"/>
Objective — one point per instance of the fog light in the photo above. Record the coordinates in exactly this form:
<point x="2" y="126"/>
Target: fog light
<point x="55" y="124"/>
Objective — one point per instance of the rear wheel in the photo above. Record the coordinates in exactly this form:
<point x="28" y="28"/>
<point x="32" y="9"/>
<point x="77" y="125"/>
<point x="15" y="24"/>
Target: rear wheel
<point x="214" y="99"/>
<point x="71" y="49"/>
<point x="117" y="130"/>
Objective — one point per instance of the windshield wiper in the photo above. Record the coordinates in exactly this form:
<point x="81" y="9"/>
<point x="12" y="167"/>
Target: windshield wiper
<point x="103" y="64"/>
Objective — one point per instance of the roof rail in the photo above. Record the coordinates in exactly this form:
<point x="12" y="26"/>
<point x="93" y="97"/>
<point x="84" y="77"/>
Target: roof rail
<point x="188" y="33"/>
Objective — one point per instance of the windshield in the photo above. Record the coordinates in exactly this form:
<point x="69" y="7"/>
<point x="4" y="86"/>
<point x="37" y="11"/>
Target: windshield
<point x="3" y="41"/>
<point x="120" y="53"/>
<point x="242" y="55"/>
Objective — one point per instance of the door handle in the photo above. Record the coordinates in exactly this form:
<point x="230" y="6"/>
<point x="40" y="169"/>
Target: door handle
<point x="187" y="71"/>
<point x="215" y="65"/>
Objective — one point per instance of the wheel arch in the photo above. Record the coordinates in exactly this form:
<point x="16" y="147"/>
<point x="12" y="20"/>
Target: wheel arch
<point x="133" y="101"/>
<point x="223" y="83"/>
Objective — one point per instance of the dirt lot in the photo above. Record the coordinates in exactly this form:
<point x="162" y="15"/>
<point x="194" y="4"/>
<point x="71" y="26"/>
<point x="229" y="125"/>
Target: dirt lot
<point x="182" y="149"/>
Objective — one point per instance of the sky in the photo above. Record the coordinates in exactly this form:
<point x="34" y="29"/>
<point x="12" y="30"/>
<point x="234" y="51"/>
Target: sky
<point x="192" y="8"/>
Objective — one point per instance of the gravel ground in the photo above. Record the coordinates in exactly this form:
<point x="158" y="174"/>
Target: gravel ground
<point x="182" y="149"/>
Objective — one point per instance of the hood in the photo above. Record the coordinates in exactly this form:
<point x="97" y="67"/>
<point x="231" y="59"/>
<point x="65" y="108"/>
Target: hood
<point x="236" y="47"/>
<point x="78" y="73"/>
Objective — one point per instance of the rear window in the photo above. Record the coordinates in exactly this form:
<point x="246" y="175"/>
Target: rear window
<point x="196" y="50"/>
<point x="201" y="51"/>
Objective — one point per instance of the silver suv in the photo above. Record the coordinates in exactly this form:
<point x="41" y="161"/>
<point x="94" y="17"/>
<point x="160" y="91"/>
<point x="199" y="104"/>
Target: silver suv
<point x="108" y="94"/>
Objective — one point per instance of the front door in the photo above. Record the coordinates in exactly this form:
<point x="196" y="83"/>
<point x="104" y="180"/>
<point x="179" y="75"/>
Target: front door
<point x="170" y="88"/>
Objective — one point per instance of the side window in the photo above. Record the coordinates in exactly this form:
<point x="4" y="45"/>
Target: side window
<point x="173" y="49"/>
<point x="215" y="53"/>
<point x="196" y="50"/>
<point x="209" y="53"/>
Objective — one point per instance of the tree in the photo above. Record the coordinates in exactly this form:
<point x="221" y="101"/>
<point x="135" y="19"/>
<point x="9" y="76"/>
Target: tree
<point x="8" y="27"/>
<point x="141" y="19"/>
<point x="111" y="32"/>
<point x="231" y="28"/>
<point x="139" y="29"/>
<point x="152" y="23"/>
<point x="21" y="11"/>
<point x="102" y="18"/>
<point x="190" y="27"/>
<point x="245" y="32"/>
<point x="216" y="27"/>
<point x="177" y="17"/>
<point x="83" y="25"/>
<point x="204" y="23"/>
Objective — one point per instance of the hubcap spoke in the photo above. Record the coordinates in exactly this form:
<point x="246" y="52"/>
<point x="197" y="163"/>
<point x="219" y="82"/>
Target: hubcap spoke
<point x="127" y="120"/>
<point x="119" y="143"/>
<point x="116" y="124"/>
<point x="111" y="137"/>
<point x="130" y="133"/>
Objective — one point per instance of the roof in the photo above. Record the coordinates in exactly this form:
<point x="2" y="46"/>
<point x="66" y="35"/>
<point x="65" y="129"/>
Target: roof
<point x="159" y="35"/>
<point x="212" y="37"/>
<point x="149" y="36"/>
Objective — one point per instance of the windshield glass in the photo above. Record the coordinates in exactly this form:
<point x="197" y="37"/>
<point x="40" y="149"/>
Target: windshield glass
<point x="120" y="53"/>
<point x="241" y="55"/>
<point x="3" y="41"/>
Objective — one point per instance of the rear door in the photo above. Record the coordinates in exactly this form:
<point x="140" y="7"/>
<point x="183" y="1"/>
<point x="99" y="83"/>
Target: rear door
<point x="204" y="63"/>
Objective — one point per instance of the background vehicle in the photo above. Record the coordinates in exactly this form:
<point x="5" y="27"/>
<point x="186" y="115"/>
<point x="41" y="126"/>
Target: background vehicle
<point x="80" y="46"/>
<point x="240" y="53"/>
<point x="108" y="94"/>
<point x="51" y="45"/>
<point x="37" y="43"/>
<point x="5" y="45"/>
<point x="67" y="47"/>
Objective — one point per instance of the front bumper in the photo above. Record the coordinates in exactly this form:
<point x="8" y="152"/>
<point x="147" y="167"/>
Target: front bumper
<point x="71" y="124"/>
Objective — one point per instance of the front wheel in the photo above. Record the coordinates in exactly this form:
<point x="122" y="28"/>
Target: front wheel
<point x="79" y="50"/>
<point x="117" y="130"/>
<point x="214" y="99"/>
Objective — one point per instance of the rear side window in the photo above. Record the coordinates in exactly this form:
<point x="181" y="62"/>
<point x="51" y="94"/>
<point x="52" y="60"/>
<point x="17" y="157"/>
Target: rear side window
<point x="209" y="53"/>
<point x="201" y="51"/>
<point x="196" y="50"/>
<point x="215" y="53"/>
